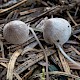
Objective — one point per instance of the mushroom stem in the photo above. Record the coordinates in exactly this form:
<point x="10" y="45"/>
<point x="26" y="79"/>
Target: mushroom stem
<point x="47" y="75"/>
<point x="66" y="56"/>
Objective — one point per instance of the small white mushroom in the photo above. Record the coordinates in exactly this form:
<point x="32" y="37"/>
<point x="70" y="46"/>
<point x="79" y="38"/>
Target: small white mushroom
<point x="17" y="32"/>
<point x="57" y="31"/>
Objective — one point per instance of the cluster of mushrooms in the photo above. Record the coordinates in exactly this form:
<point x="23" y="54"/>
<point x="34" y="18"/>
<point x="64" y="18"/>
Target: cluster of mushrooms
<point x="56" y="31"/>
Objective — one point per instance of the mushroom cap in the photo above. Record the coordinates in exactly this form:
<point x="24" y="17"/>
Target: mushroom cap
<point x="16" y="32"/>
<point x="56" y="30"/>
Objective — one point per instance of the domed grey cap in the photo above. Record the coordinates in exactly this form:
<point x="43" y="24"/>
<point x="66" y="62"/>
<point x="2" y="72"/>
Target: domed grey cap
<point x="56" y="30"/>
<point x="16" y="32"/>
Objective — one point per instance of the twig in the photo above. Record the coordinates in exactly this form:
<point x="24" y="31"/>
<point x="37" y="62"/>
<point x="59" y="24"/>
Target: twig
<point x="64" y="64"/>
<point x="16" y="75"/>
<point x="30" y="72"/>
<point x="71" y="18"/>
<point x="77" y="37"/>
<point x="61" y="73"/>
<point x="11" y="64"/>
<point x="75" y="50"/>
<point x="73" y="66"/>
<point x="9" y="3"/>
<point x="3" y="60"/>
<point x="76" y="11"/>
<point x="56" y="7"/>
<point x="44" y="3"/>
<point x="4" y="10"/>
<point x="2" y="49"/>
<point x="28" y="11"/>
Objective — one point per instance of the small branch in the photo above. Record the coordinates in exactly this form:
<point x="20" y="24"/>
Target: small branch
<point x="2" y="49"/>
<point x="76" y="11"/>
<point x="59" y="73"/>
<point x="74" y="49"/>
<point x="4" y="10"/>
<point x="71" y="18"/>
<point x="11" y="65"/>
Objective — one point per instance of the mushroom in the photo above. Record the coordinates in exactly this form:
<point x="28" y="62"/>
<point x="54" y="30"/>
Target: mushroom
<point x="57" y="31"/>
<point x="17" y="32"/>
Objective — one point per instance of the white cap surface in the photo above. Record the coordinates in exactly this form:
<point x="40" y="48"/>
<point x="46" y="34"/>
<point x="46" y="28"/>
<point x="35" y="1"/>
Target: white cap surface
<point x="56" y="30"/>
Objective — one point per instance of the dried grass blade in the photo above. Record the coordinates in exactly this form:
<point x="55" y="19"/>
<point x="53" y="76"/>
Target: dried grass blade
<point x="4" y="10"/>
<point x="11" y="64"/>
<point x="64" y="63"/>
<point x="2" y="49"/>
<point x="74" y="49"/>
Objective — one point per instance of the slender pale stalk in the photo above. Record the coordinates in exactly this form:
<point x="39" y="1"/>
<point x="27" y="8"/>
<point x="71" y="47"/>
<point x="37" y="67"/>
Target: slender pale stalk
<point x="47" y="77"/>
<point x="66" y="56"/>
